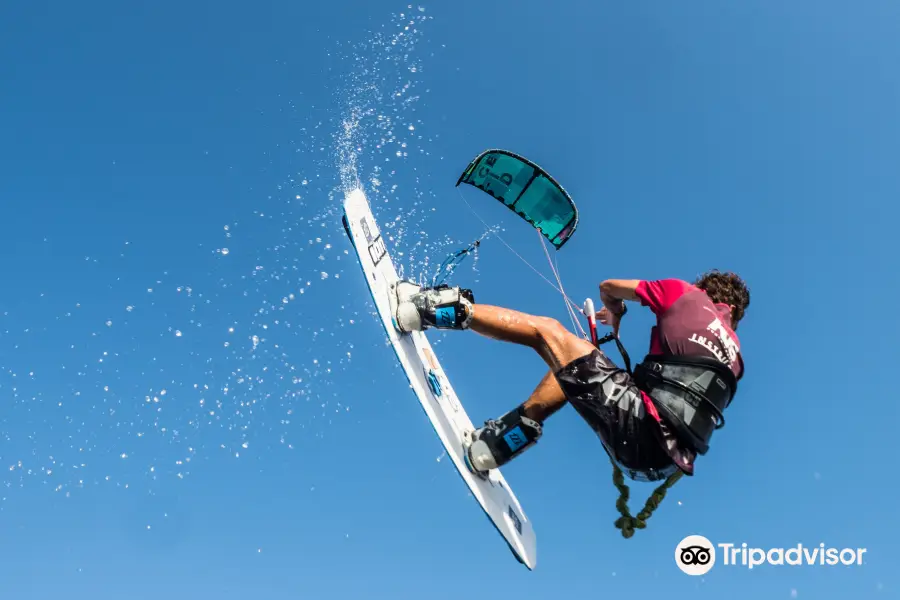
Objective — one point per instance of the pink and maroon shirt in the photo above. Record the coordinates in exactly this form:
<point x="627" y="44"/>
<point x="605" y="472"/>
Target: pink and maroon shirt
<point x="688" y="323"/>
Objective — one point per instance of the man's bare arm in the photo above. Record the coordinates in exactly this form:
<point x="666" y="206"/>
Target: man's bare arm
<point x="621" y="289"/>
<point x="614" y="291"/>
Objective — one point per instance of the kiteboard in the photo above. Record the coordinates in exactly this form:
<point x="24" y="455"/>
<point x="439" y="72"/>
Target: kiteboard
<point x="431" y="385"/>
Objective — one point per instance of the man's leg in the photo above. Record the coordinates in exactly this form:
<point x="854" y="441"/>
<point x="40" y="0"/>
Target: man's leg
<point x="500" y="440"/>
<point x="600" y="391"/>
<point x="546" y="399"/>
<point x="415" y="308"/>
<point x="553" y="342"/>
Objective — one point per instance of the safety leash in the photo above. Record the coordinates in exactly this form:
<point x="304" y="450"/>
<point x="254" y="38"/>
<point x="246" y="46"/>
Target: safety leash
<point x="627" y="523"/>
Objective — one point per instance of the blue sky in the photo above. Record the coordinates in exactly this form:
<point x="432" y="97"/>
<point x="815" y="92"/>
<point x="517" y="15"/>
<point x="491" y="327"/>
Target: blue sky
<point x="195" y="396"/>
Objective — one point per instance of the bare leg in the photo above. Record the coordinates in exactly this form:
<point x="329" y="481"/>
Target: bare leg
<point x="555" y="344"/>
<point x="545" y="400"/>
<point x="501" y="440"/>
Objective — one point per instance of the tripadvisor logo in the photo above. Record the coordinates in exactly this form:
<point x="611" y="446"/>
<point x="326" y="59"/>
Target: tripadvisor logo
<point x="696" y="555"/>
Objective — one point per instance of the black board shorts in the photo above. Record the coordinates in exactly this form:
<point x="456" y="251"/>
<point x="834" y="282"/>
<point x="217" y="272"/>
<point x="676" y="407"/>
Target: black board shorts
<point x="607" y="398"/>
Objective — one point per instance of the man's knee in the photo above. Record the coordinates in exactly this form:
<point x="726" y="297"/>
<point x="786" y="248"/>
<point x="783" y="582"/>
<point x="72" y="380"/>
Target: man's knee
<point x="551" y="332"/>
<point x="559" y="344"/>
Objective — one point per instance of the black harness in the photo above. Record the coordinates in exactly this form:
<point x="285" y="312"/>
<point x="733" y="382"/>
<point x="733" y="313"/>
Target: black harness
<point x="690" y="392"/>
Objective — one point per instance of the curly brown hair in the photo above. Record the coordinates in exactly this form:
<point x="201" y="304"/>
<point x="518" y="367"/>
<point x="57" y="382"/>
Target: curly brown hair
<point x="726" y="288"/>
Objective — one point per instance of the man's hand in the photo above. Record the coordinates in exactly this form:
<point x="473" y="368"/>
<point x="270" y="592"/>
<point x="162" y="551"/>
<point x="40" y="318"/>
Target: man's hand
<point x="613" y="293"/>
<point x="607" y="317"/>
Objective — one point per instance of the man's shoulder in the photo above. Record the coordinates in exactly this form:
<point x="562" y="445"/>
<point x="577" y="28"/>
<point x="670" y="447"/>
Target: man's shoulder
<point x="673" y="284"/>
<point x="660" y="294"/>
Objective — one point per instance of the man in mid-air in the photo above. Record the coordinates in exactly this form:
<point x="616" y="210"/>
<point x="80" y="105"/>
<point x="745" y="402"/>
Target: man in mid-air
<point x="651" y="425"/>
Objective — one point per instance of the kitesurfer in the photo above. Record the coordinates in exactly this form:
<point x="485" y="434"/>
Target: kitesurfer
<point x="652" y="424"/>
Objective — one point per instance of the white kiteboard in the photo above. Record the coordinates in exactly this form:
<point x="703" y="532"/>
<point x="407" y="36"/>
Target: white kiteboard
<point x="430" y="383"/>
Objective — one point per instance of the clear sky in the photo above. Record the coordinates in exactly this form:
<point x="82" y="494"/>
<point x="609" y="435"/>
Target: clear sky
<point x="197" y="401"/>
